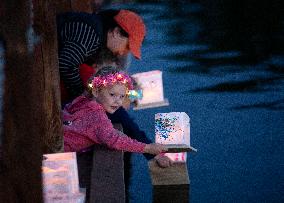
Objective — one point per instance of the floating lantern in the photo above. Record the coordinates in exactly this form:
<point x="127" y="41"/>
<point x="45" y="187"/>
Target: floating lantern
<point x="151" y="83"/>
<point x="173" y="129"/>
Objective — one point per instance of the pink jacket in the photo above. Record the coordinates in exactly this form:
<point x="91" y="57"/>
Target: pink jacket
<point x="86" y="123"/>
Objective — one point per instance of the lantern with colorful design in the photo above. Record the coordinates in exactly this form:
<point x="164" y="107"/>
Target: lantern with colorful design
<point x="173" y="128"/>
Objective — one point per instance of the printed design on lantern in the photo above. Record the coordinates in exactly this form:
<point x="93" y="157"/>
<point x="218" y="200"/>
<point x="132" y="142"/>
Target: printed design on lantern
<point x="164" y="126"/>
<point x="149" y="85"/>
<point x="179" y="156"/>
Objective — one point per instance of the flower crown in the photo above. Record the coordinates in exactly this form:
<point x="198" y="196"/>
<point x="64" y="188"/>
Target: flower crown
<point x="135" y="95"/>
<point x="110" y="79"/>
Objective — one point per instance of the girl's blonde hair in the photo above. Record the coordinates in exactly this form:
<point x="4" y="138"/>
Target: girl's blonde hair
<point x="106" y="76"/>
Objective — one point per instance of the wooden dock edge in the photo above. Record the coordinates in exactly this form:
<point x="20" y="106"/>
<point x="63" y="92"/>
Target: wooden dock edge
<point x="170" y="184"/>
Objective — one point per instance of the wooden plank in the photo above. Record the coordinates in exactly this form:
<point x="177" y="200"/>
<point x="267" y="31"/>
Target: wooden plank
<point x="173" y="175"/>
<point x="175" y="148"/>
<point x="101" y="173"/>
<point x="107" y="176"/>
<point x="171" y="193"/>
<point x="169" y="184"/>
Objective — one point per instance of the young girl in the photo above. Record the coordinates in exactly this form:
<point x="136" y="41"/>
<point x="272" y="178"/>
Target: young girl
<point x="85" y="120"/>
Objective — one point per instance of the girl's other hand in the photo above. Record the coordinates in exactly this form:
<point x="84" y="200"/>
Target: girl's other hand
<point x="163" y="161"/>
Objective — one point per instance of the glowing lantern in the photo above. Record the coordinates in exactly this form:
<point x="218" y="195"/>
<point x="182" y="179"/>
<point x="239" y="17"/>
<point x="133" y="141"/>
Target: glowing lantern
<point x="60" y="178"/>
<point x="151" y="83"/>
<point x="173" y="128"/>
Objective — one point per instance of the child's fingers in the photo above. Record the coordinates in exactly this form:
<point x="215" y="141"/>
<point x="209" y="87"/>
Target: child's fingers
<point x="164" y="161"/>
<point x="163" y="148"/>
<point x="155" y="148"/>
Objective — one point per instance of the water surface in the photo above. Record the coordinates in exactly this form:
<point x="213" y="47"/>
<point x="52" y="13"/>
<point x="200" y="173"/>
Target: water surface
<point x="224" y="68"/>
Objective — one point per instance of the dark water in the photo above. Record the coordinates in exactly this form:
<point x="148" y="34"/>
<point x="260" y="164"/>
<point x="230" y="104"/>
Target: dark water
<point x="223" y="64"/>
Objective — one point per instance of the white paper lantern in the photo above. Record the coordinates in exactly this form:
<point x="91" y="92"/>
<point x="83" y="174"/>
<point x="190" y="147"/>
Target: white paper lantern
<point x="60" y="178"/>
<point x="173" y="128"/>
<point x="151" y="83"/>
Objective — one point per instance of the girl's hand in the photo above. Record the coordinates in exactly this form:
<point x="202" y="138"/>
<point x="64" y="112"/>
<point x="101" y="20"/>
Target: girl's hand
<point x="155" y="148"/>
<point x="163" y="161"/>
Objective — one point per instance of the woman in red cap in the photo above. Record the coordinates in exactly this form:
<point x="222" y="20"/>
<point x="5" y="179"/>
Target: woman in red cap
<point x="84" y="35"/>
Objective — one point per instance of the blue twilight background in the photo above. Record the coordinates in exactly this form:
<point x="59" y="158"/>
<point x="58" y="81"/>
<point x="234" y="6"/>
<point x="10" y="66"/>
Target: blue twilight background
<point x="223" y="65"/>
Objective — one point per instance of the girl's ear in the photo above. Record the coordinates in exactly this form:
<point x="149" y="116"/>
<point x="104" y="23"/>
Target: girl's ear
<point x="111" y="37"/>
<point x="95" y="92"/>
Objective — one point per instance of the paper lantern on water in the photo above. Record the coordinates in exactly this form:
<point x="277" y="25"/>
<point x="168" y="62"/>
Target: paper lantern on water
<point x="151" y="83"/>
<point x="173" y="128"/>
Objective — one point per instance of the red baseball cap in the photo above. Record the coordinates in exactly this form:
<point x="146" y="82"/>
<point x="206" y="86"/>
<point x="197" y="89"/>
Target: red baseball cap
<point x="133" y="24"/>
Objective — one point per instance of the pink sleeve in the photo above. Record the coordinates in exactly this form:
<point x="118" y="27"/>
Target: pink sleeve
<point x="114" y="139"/>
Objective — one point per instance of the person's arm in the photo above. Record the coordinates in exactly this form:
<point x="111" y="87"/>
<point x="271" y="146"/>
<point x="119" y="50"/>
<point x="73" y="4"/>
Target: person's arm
<point x="78" y="41"/>
<point x="130" y="128"/>
<point x="114" y="139"/>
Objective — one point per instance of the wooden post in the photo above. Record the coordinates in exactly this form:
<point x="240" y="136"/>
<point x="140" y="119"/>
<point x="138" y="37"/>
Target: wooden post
<point x="22" y="112"/>
<point x="170" y="184"/>
<point x="75" y="5"/>
<point x="62" y="6"/>
<point x="46" y="62"/>
<point x="101" y="172"/>
<point x="107" y="176"/>
<point x="31" y="112"/>
<point x="82" y="5"/>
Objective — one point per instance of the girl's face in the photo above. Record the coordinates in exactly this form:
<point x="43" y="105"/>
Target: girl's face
<point x="117" y="43"/>
<point x="111" y="97"/>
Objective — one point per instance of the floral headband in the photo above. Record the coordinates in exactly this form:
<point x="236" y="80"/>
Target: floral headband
<point x="135" y="95"/>
<point x="103" y="81"/>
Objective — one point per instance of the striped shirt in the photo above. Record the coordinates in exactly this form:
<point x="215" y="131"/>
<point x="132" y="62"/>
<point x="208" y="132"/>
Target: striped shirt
<point x="79" y="36"/>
